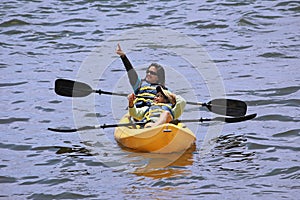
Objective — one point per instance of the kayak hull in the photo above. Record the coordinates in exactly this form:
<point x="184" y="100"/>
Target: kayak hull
<point x="166" y="138"/>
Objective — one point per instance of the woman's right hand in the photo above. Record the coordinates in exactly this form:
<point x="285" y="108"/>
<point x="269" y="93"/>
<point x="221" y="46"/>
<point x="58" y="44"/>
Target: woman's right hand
<point x="119" y="51"/>
<point x="131" y="98"/>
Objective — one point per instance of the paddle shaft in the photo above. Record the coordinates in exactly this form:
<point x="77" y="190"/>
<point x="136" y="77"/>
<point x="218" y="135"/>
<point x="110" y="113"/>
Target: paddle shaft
<point x="221" y="119"/>
<point x="147" y="97"/>
<point x="109" y="93"/>
<point x="96" y="127"/>
<point x="229" y="107"/>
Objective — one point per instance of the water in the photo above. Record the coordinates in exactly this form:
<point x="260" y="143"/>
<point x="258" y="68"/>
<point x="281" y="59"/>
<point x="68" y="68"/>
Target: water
<point x="254" y="44"/>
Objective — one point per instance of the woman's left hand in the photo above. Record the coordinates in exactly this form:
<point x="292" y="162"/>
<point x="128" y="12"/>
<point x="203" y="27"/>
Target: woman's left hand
<point x="119" y="51"/>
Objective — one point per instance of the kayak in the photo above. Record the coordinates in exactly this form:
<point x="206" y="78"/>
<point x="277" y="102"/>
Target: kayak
<point x="166" y="138"/>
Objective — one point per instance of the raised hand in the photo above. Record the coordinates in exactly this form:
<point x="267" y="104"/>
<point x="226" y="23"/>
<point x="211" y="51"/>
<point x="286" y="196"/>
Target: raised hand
<point x="119" y="51"/>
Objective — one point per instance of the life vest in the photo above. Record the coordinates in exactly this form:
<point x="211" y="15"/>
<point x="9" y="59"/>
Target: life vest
<point x="146" y="93"/>
<point x="156" y="109"/>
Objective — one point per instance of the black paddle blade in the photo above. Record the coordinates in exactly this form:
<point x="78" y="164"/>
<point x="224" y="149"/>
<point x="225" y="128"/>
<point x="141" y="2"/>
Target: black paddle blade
<point x="228" y="107"/>
<point x="62" y="130"/>
<point x="69" y="88"/>
<point x="69" y="130"/>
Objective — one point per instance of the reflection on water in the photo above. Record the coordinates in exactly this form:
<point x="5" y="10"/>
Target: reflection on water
<point x="165" y="165"/>
<point x="74" y="151"/>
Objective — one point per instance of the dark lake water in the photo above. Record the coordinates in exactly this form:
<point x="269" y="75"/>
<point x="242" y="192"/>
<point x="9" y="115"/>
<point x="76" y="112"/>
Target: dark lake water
<point x="253" y="52"/>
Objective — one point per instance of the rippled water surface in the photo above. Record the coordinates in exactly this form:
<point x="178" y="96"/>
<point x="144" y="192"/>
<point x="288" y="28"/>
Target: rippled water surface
<point x="255" y="46"/>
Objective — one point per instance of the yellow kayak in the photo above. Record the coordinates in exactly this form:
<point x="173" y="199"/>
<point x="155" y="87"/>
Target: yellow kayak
<point x="166" y="138"/>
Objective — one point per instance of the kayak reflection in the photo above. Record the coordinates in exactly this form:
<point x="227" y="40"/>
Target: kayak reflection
<point x="163" y="165"/>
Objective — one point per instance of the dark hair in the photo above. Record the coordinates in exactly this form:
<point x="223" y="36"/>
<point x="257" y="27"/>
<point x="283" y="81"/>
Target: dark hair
<point x="160" y="73"/>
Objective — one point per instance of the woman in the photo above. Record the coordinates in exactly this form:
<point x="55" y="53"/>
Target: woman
<point x="161" y="110"/>
<point x="155" y="76"/>
<point x="144" y="88"/>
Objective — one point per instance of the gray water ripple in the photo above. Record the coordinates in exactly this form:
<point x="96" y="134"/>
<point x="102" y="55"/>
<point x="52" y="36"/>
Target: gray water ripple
<point x="269" y="16"/>
<point x="62" y="195"/>
<point x="2" y="166"/>
<point x="14" y="22"/>
<point x="288" y="102"/>
<point x="233" y="4"/>
<point x="49" y="36"/>
<point x="196" y="22"/>
<point x="261" y="146"/>
<point x="93" y="115"/>
<point x="231" y="148"/>
<point x="15" y="147"/>
<point x="246" y="22"/>
<point x="7" y="46"/>
<point x="7" y="179"/>
<point x="69" y="151"/>
<point x="276" y="55"/>
<point x="277" y="117"/>
<point x="289" y="133"/>
<point x="211" y="26"/>
<point x="13" y="119"/>
<point x="13" y="32"/>
<point x="234" y="47"/>
<point x="55" y="101"/>
<point x="2" y="65"/>
<point x="44" y="109"/>
<point x="78" y="22"/>
<point x="74" y="151"/>
<point x="283" y="172"/>
<point x="288" y="6"/>
<point x="48" y="182"/>
<point x="273" y="92"/>
<point x="48" y="162"/>
<point x="12" y="84"/>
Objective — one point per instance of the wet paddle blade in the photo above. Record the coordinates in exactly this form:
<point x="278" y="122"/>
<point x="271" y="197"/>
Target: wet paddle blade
<point x="69" y="130"/>
<point x="227" y="107"/>
<point x="69" y="88"/>
<point x="62" y="130"/>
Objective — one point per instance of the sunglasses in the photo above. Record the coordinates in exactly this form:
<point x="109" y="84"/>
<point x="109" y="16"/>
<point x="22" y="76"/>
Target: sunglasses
<point x="151" y="72"/>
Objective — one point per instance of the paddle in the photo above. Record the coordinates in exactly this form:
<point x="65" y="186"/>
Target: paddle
<point x="229" y="107"/>
<point x="222" y="119"/>
<point x="69" y="88"/>
<point x="95" y="127"/>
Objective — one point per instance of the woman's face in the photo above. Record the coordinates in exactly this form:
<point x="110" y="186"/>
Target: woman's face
<point x="151" y="75"/>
